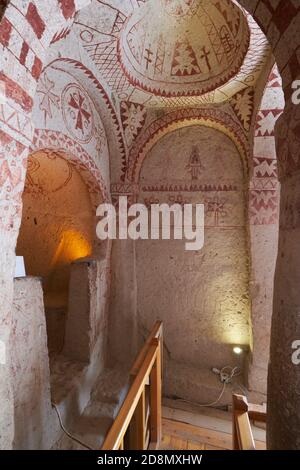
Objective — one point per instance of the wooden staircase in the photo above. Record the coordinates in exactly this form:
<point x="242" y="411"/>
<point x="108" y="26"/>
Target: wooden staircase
<point x="125" y="413"/>
<point x="138" y="425"/>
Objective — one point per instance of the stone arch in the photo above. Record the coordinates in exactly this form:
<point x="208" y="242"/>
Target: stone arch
<point x="278" y="21"/>
<point x="185" y="118"/>
<point x="101" y="101"/>
<point x="53" y="236"/>
<point x="59" y="142"/>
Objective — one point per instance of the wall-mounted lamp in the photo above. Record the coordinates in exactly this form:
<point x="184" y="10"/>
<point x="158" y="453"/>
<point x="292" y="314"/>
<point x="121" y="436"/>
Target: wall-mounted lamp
<point x="237" y="350"/>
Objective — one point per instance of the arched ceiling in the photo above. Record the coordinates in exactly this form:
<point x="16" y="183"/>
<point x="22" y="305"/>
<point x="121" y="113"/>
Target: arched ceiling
<point x="183" y="47"/>
<point x="166" y="53"/>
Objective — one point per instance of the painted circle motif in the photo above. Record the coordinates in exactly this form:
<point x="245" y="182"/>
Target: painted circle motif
<point x="180" y="7"/>
<point x="78" y="113"/>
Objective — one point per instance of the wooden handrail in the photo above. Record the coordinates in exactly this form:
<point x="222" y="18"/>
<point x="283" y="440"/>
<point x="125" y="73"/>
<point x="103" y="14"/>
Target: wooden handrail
<point x="156" y="332"/>
<point x="138" y="424"/>
<point x="242" y="413"/>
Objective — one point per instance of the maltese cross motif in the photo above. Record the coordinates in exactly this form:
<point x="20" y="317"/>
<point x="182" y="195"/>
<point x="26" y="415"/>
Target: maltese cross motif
<point x="78" y="114"/>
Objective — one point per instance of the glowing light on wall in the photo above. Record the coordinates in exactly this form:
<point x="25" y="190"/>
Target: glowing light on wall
<point x="72" y="246"/>
<point x="237" y="350"/>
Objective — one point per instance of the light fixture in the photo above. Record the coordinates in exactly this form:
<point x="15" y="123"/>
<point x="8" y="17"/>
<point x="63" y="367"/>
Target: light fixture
<point x="237" y="350"/>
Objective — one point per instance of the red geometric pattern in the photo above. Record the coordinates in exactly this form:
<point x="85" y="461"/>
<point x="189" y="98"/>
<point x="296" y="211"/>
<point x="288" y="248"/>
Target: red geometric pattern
<point x="263" y="207"/>
<point x="25" y="33"/>
<point x="184" y="60"/>
<point x="265" y="122"/>
<point x="12" y="174"/>
<point x="265" y="167"/>
<point x="133" y="118"/>
<point x="264" y="186"/>
<point x="114" y="118"/>
<point x="51" y="140"/>
<point x="243" y="104"/>
<point x="34" y="19"/>
<point x="67" y="8"/>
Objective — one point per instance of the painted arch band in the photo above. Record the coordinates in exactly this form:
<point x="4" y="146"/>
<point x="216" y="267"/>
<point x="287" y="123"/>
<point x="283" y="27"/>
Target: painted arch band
<point x="187" y="222"/>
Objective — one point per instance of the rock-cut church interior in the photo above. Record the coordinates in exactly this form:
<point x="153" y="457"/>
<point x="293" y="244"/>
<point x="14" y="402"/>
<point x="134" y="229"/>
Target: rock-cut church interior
<point x="164" y="102"/>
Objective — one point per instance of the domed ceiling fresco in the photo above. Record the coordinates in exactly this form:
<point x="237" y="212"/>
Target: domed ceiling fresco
<point x="183" y="47"/>
<point x="173" y="53"/>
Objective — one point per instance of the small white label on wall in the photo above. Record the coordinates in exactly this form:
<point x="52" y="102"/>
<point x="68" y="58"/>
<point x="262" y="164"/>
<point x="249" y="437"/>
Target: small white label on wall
<point x="20" y="267"/>
<point x="2" y="92"/>
<point x="2" y="353"/>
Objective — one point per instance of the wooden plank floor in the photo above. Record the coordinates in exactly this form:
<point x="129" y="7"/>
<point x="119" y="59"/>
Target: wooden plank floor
<point x="183" y="436"/>
<point x="211" y="435"/>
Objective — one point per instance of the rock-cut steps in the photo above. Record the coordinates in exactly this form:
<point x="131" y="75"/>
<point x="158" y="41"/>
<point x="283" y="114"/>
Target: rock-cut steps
<point x="93" y="424"/>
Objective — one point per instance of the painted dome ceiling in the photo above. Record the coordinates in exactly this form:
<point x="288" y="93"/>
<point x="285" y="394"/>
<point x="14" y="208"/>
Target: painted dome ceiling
<point x="173" y="53"/>
<point x="183" y="47"/>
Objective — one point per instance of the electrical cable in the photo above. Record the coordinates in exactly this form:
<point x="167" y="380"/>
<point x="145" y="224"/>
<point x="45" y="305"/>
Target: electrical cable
<point x="234" y="372"/>
<point x="200" y="405"/>
<point x="67" y="432"/>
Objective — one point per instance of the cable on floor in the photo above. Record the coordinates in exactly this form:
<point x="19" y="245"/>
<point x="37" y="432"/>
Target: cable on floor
<point x="86" y="446"/>
<point x="207" y="405"/>
<point x="234" y="372"/>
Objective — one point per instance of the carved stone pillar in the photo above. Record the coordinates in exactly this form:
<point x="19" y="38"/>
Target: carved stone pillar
<point x="284" y="376"/>
<point x="29" y="26"/>
<point x="12" y="174"/>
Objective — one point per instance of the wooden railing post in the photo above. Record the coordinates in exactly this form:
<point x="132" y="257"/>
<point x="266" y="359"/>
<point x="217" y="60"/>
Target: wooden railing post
<point x="242" y="432"/>
<point x="139" y="420"/>
<point x="235" y="436"/>
<point x="137" y="429"/>
<point x="155" y="402"/>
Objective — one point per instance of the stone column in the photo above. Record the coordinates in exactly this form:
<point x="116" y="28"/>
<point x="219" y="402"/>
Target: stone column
<point x="284" y="376"/>
<point x="264" y="198"/>
<point x="122" y="324"/>
<point x="33" y="25"/>
<point x="12" y="170"/>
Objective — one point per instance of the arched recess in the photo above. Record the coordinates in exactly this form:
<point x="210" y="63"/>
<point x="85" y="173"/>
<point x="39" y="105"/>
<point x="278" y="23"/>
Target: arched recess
<point x="212" y="118"/>
<point x="62" y="191"/>
<point x="59" y="142"/>
<point x="202" y="296"/>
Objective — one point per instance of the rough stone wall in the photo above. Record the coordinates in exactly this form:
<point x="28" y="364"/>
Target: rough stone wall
<point x="202" y="297"/>
<point x="123" y="337"/>
<point x="69" y="386"/>
<point x="86" y="321"/>
<point x="30" y="367"/>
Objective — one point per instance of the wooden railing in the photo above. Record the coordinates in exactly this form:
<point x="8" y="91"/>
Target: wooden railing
<point x="138" y="424"/>
<point x="243" y="412"/>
